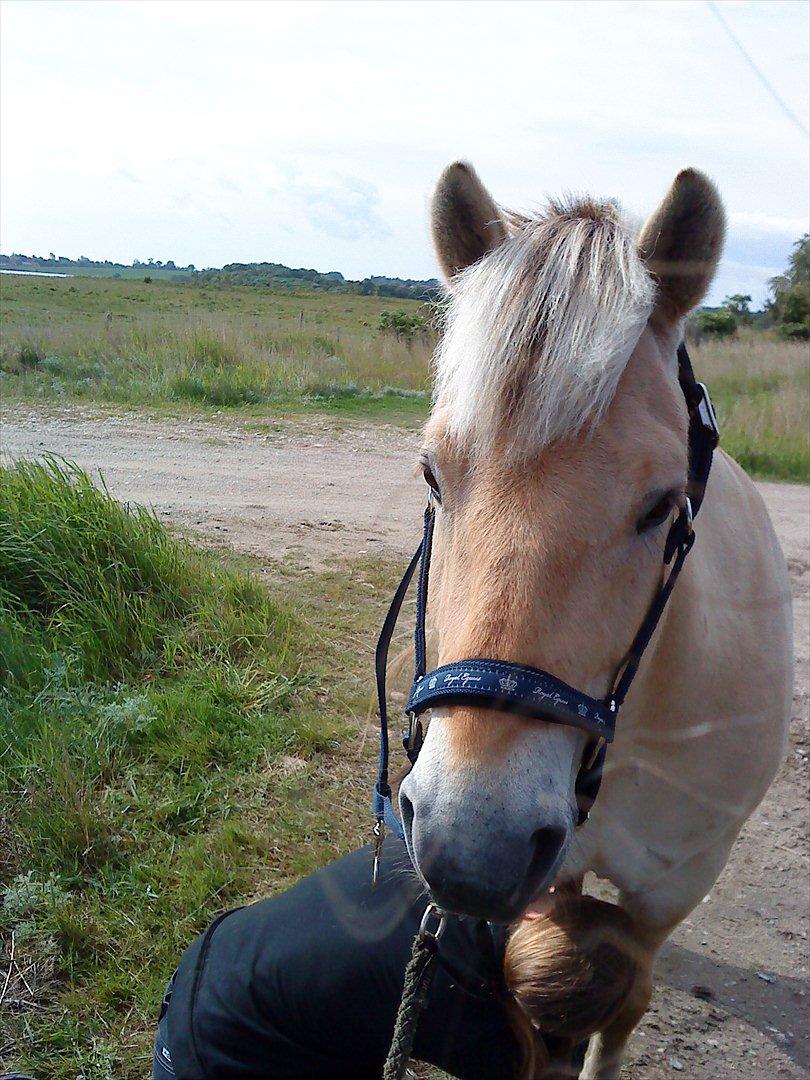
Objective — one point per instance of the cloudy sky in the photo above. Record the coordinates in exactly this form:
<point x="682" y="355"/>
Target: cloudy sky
<point x="311" y="133"/>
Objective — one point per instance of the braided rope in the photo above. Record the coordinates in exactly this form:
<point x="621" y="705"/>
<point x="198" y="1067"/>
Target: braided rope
<point x="418" y="977"/>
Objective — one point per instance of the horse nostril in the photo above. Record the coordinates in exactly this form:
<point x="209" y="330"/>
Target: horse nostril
<point x="547" y="843"/>
<point x="406" y="813"/>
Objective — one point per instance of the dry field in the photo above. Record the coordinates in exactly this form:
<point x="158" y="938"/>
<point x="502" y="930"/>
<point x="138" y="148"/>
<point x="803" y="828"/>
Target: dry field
<point x="172" y="347"/>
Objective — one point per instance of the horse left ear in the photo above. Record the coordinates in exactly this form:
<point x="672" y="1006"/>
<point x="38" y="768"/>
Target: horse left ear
<point x="682" y="242"/>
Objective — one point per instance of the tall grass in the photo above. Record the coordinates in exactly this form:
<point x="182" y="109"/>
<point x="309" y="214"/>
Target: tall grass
<point x="213" y="359"/>
<point x="761" y="390"/>
<point x="172" y="344"/>
<point x="143" y="350"/>
<point x="146" y="695"/>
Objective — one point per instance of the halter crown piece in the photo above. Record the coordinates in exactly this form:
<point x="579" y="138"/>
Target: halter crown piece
<point x="528" y="691"/>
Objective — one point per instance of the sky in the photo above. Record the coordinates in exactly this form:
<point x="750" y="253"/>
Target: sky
<point x="312" y="133"/>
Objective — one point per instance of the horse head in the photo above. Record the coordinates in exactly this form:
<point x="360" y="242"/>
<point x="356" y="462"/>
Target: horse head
<point x="557" y="454"/>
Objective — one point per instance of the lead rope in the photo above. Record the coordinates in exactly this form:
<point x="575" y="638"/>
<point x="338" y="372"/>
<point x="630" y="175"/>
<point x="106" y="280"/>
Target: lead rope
<point x="418" y="977"/>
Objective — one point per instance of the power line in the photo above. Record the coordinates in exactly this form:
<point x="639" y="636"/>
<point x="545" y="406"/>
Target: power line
<point x="715" y="9"/>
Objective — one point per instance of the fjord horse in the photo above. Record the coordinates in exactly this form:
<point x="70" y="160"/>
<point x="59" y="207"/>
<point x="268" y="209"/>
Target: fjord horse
<point x="557" y="451"/>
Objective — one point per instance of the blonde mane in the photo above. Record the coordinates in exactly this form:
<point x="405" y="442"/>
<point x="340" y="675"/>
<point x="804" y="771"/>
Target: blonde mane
<point x="538" y="332"/>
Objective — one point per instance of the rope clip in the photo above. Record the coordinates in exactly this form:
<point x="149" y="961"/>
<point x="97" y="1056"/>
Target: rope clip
<point x="432" y="912"/>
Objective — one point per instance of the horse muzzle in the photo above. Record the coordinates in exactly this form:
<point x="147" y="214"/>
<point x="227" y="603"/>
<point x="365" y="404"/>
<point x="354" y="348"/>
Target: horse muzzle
<point x="486" y="842"/>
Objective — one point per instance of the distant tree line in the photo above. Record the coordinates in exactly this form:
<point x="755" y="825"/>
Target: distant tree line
<point x="284" y="277"/>
<point x="787" y="309"/>
<point x="274" y="275"/>
<point x="62" y="262"/>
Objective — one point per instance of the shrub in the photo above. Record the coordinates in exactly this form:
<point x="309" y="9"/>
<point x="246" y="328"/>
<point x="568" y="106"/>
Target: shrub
<point x="717" y="323"/>
<point x="400" y="323"/>
<point x="795" y="304"/>
<point x="796" y="331"/>
<point x="29" y="356"/>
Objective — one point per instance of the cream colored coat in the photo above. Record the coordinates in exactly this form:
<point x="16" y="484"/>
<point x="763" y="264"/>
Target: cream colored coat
<point x="558" y="423"/>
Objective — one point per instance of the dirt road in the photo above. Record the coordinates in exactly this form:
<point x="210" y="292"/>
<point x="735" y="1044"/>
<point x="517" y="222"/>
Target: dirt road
<point x="269" y="493"/>
<point x="732" y="992"/>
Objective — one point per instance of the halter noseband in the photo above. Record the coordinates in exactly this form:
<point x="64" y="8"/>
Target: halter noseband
<point x="528" y="691"/>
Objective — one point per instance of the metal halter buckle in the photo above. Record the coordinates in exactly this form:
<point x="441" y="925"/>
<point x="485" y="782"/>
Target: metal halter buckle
<point x="379" y="836"/>
<point x="708" y="417"/>
<point x="413" y="737"/>
<point x="433" y="912"/>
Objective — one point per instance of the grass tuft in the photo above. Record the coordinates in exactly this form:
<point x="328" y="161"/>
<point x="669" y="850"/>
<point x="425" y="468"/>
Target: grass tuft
<point x="149" y="700"/>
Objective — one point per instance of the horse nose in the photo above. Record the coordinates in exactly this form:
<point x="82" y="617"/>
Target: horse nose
<point x="494" y="878"/>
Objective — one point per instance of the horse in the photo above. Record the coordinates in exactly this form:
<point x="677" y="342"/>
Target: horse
<point x="556" y="452"/>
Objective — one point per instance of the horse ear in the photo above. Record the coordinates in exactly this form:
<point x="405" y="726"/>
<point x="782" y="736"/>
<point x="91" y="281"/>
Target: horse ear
<point x="681" y="243"/>
<point x="466" y="222"/>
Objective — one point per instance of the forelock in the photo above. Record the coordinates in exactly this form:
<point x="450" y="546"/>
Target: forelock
<point x="539" y="331"/>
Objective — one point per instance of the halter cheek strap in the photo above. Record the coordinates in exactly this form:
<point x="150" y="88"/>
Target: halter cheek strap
<point x="527" y="691"/>
<point x="382" y="806"/>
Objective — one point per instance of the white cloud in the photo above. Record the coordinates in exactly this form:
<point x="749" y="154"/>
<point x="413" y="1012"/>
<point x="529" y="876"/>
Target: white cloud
<point x="768" y="225"/>
<point x="311" y="133"/>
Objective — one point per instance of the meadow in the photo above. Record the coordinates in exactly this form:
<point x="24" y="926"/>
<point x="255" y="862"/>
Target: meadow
<point x="169" y="345"/>
<point x="174" y="346"/>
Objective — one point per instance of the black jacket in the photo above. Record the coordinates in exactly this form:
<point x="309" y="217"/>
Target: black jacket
<point x="306" y="984"/>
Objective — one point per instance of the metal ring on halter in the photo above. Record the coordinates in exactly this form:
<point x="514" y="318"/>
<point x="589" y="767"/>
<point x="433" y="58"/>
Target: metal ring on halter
<point x="689" y="516"/>
<point x="597" y="747"/>
<point x="431" y="911"/>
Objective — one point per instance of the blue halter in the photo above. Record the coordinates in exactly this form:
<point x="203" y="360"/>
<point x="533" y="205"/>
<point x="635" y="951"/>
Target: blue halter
<point x="526" y="691"/>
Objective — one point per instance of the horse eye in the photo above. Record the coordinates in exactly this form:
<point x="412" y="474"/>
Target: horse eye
<point x="658" y="513"/>
<point x="432" y="482"/>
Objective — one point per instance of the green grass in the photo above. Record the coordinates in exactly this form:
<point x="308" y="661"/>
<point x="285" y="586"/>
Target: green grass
<point x="179" y="346"/>
<point x="170" y="343"/>
<point x="761" y="390"/>
<point x="173" y="740"/>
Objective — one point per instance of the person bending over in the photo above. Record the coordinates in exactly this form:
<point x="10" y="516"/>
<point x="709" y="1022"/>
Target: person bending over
<point x="306" y="984"/>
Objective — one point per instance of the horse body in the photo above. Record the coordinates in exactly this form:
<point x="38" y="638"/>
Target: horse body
<point x="704" y="732"/>
<point x="558" y="448"/>
<point x="704" y="737"/>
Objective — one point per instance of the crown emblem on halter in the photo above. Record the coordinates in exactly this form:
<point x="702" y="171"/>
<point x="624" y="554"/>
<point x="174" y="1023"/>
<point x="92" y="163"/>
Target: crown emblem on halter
<point x="508" y="684"/>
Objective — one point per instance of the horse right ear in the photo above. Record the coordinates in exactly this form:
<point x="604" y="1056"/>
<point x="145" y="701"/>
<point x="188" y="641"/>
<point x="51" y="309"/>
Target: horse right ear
<point x="465" y="221"/>
<point x="682" y="243"/>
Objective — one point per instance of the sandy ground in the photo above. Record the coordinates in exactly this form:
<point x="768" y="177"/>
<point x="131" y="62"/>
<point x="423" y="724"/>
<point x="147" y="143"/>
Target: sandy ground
<point x="732" y="995"/>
